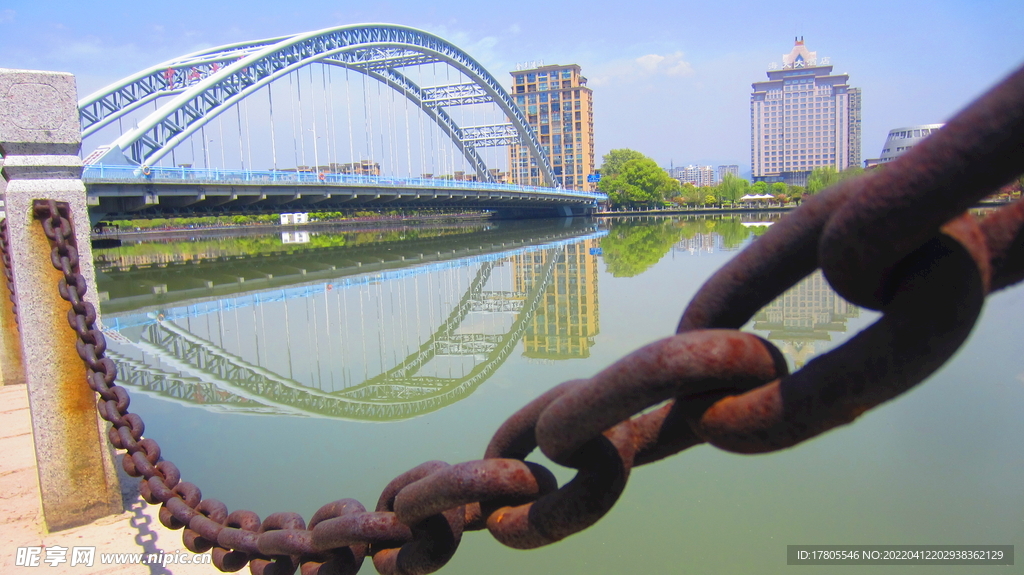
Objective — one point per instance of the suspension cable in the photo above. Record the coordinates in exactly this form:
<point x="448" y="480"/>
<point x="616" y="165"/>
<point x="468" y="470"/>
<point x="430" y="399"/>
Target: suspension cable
<point x="367" y="119"/>
<point x="291" y="114"/>
<point x="302" y="122"/>
<point x="238" y="119"/>
<point x="248" y="132"/>
<point x="328" y="107"/>
<point x="348" y="109"/>
<point x="273" y="136"/>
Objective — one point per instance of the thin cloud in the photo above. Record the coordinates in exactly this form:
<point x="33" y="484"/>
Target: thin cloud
<point x="650" y="65"/>
<point x="669" y="65"/>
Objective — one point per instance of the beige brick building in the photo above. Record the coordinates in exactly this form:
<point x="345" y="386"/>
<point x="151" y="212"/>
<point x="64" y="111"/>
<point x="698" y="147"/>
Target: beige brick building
<point x="558" y="104"/>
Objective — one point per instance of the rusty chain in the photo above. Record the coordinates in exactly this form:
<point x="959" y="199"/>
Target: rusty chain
<point x="896" y="240"/>
<point x="5" y="259"/>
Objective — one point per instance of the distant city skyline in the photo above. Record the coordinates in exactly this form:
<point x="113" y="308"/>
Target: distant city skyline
<point x="664" y="90"/>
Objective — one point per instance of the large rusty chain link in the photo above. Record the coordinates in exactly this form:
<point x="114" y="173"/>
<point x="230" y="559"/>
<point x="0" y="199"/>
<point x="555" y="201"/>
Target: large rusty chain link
<point x="897" y="240"/>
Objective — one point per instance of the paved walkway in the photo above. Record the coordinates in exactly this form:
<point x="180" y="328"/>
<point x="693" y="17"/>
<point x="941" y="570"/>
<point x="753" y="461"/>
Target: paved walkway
<point x="137" y="531"/>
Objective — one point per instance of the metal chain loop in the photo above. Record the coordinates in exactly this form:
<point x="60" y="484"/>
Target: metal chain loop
<point x="895" y="240"/>
<point x="5" y="259"/>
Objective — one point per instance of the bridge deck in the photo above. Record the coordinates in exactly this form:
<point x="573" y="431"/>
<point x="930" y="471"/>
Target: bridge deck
<point x="130" y="190"/>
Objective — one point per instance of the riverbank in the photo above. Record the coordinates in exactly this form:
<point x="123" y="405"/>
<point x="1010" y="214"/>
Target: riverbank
<point x="137" y="531"/>
<point x="709" y="211"/>
<point x="351" y="225"/>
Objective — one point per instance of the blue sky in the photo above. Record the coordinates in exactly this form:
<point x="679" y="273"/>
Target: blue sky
<point x="670" y="79"/>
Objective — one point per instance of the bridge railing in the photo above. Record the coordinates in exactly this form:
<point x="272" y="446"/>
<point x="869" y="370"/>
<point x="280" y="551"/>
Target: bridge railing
<point x="137" y="174"/>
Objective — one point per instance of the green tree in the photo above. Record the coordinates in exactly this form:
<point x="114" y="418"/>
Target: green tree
<point x="821" y="178"/>
<point x="639" y="181"/>
<point x="689" y="194"/>
<point x="613" y="161"/>
<point x="733" y="188"/>
<point x="780" y="188"/>
<point x="852" y="172"/>
<point x="759" y="188"/>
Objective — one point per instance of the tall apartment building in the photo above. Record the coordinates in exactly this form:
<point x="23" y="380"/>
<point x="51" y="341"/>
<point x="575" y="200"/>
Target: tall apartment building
<point x="558" y="104"/>
<point x="803" y="117"/>
<point x="728" y="169"/>
<point x="696" y="175"/>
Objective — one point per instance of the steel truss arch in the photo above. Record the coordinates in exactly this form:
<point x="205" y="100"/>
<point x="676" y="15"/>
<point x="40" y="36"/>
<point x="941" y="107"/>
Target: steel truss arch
<point x="101" y="108"/>
<point x="377" y="50"/>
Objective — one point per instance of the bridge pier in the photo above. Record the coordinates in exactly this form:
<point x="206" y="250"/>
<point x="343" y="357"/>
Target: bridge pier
<point x="39" y="139"/>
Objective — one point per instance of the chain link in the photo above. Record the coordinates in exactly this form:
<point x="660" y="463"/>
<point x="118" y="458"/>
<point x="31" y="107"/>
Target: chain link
<point x="5" y="258"/>
<point x="896" y="240"/>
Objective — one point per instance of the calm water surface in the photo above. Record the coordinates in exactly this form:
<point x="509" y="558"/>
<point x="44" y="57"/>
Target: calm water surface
<point x="284" y="371"/>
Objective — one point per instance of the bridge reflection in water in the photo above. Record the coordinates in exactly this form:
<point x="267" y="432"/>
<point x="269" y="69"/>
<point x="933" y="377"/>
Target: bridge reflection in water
<point x="377" y="340"/>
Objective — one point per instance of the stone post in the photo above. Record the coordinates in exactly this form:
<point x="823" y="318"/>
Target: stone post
<point x="39" y="140"/>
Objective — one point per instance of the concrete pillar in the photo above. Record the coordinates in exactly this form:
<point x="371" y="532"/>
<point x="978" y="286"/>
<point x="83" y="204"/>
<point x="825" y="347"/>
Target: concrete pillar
<point x="40" y="138"/>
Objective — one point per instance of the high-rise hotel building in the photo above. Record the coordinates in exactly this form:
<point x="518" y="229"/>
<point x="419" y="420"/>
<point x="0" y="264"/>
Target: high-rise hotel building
<point x="803" y="117"/>
<point x="558" y="104"/>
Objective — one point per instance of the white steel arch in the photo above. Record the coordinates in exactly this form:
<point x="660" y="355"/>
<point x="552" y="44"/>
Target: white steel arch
<point x="206" y="83"/>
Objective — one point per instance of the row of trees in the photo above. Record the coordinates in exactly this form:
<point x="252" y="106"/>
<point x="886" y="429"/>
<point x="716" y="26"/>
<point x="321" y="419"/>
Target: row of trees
<point x="632" y="179"/>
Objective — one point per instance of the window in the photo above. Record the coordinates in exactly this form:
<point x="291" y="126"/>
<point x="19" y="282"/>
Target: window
<point x="531" y="77"/>
<point x="519" y="79"/>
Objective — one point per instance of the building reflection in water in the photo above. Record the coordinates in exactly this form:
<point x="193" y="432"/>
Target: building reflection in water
<point x="802" y="320"/>
<point x="566" y="321"/>
<point x="705" y="243"/>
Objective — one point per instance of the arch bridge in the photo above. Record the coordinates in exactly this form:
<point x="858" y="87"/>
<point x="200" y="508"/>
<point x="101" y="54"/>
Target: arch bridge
<point x="140" y="171"/>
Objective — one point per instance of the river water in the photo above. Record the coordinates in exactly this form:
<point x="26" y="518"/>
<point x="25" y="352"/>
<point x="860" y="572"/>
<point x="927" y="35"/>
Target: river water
<point x="283" y="371"/>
